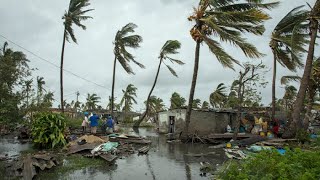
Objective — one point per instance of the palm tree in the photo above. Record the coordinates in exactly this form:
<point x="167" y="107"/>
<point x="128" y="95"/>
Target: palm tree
<point x="196" y="103"/>
<point x="169" y="48"/>
<point x="227" y="20"/>
<point x="155" y="105"/>
<point x="312" y="91"/>
<point x="40" y="83"/>
<point x="48" y="99"/>
<point x="287" y="42"/>
<point x="121" y="42"/>
<point x="289" y="97"/>
<point x="205" y="105"/>
<point x="218" y="97"/>
<point x="74" y="15"/>
<point x="92" y="100"/>
<point x="128" y="98"/>
<point x="296" y="124"/>
<point x="28" y="84"/>
<point x="177" y="101"/>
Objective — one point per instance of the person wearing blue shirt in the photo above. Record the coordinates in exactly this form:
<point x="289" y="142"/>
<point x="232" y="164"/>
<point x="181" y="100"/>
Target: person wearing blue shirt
<point x="110" y="124"/>
<point x="94" y="123"/>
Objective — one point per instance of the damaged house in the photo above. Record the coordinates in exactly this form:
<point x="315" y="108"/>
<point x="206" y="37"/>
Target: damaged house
<point x="203" y="122"/>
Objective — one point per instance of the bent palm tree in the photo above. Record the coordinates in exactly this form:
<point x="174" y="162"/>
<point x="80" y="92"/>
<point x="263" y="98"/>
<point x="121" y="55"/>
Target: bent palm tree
<point x="297" y="123"/>
<point x="74" y="15"/>
<point x="177" y="101"/>
<point x="155" y="105"/>
<point x="128" y="98"/>
<point x="287" y="42"/>
<point x="169" y="48"/>
<point x="226" y="20"/>
<point x="121" y="42"/>
<point x="218" y="97"/>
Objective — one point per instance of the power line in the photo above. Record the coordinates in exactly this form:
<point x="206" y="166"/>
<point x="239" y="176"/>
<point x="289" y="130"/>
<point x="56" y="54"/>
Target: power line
<point x="47" y="61"/>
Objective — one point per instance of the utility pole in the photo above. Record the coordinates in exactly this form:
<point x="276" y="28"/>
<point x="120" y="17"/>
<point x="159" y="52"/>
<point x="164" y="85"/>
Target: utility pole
<point x="77" y="102"/>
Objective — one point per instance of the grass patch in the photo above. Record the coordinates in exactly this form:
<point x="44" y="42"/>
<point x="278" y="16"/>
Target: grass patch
<point x="294" y="165"/>
<point x="70" y="164"/>
<point x="74" y="123"/>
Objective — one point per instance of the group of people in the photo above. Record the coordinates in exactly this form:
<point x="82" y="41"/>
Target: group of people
<point x="92" y="122"/>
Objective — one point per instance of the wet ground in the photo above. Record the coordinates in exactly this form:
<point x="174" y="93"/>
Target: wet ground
<point x="11" y="146"/>
<point x="164" y="161"/>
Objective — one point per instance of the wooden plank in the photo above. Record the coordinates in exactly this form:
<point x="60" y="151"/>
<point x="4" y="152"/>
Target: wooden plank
<point x="77" y="148"/>
<point x="144" y="150"/>
<point x="108" y="157"/>
<point x="230" y="135"/>
<point x="28" y="169"/>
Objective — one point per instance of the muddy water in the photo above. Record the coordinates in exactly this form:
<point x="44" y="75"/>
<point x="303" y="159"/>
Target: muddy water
<point x="164" y="161"/>
<point x="12" y="146"/>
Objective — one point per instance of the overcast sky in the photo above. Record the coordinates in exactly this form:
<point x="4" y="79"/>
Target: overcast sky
<point x="37" y="26"/>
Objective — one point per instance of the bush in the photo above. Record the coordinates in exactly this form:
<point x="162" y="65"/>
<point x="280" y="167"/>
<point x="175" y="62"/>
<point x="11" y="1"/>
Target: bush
<point x="48" y="130"/>
<point x="74" y="123"/>
<point x="295" y="164"/>
<point x="303" y="136"/>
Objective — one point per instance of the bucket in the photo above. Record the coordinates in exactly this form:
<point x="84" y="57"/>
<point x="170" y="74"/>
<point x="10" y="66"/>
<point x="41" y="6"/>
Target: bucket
<point x="228" y="145"/>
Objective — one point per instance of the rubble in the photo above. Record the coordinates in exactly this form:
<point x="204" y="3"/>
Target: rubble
<point x="31" y="164"/>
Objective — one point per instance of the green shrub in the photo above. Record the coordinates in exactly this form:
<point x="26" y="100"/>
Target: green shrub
<point x="303" y="136"/>
<point x="74" y="123"/>
<point x="48" y="130"/>
<point x="295" y="164"/>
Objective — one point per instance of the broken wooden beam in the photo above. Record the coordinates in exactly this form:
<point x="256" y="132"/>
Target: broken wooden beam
<point x="108" y="157"/>
<point x="77" y="148"/>
<point x="144" y="150"/>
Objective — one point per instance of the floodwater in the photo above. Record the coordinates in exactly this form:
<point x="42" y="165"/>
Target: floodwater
<point x="163" y="161"/>
<point x="12" y="146"/>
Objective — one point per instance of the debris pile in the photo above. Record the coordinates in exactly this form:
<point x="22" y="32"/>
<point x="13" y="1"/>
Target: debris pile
<point x="30" y="165"/>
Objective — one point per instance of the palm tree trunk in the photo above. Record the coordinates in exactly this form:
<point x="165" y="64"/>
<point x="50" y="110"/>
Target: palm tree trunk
<point x="113" y="80"/>
<point x="239" y="108"/>
<point x="308" y="111"/>
<point x="137" y="124"/>
<point x="61" y="70"/>
<point x="193" y="86"/>
<point x="298" y="105"/>
<point x="274" y="87"/>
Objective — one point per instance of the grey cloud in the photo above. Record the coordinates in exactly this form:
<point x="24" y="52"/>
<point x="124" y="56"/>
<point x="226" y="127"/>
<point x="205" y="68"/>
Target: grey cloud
<point x="37" y="26"/>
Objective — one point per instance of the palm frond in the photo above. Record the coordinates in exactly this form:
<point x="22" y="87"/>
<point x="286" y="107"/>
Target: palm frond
<point x="172" y="71"/>
<point x="175" y="61"/>
<point x="124" y="64"/>
<point x="235" y="38"/>
<point x="137" y="63"/>
<point x="287" y="79"/>
<point x="69" y="33"/>
<point x="132" y="41"/>
<point x="247" y="6"/>
<point x="129" y="28"/>
<point x="170" y="47"/>
<point x="223" y="57"/>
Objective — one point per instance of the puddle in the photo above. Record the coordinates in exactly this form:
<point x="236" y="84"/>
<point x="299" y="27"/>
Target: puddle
<point x="12" y="146"/>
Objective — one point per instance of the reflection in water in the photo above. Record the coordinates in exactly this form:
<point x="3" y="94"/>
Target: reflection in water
<point x="187" y="166"/>
<point x="164" y="161"/>
<point x="149" y="167"/>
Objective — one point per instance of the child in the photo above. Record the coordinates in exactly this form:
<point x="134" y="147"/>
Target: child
<point x="84" y="122"/>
